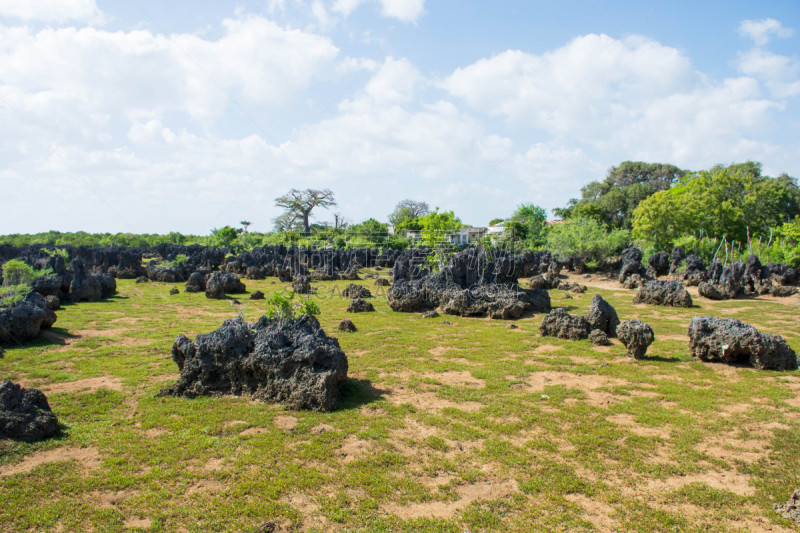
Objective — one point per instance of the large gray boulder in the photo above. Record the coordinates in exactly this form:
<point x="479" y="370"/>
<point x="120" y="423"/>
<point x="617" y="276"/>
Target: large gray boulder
<point x="636" y="336"/>
<point x="84" y="287"/>
<point x="296" y="365"/>
<point x="668" y="293"/>
<point x="732" y="341"/>
<point x="603" y="316"/>
<point x="561" y="324"/>
<point x="196" y="282"/>
<point x="23" y="322"/>
<point x="359" y="305"/>
<point x="222" y="283"/>
<point x="25" y="413"/>
<point x="301" y="284"/>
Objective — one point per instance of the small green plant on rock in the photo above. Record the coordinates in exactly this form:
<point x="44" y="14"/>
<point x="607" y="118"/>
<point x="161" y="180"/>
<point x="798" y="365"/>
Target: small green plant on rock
<point x="282" y="307"/>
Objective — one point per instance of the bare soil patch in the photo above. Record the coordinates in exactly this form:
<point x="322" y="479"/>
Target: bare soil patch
<point x="88" y="458"/>
<point x="725" y="480"/>
<point x="85" y="385"/>
<point x="286" y="423"/>
<point x="428" y="400"/>
<point x="627" y="421"/>
<point x="595" y="512"/>
<point x="487" y="490"/>
<point x="353" y="448"/>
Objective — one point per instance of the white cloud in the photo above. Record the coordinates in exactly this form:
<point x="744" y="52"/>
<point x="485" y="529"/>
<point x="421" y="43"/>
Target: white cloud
<point x="632" y="97"/>
<point x="52" y="10"/>
<point x="403" y="10"/>
<point x="780" y="73"/>
<point x="761" y="31"/>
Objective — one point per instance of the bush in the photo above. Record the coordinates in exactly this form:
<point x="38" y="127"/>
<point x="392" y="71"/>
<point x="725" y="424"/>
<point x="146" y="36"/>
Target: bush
<point x="280" y="307"/>
<point x="11" y="295"/>
<point x="586" y="238"/>
<point x="16" y="272"/>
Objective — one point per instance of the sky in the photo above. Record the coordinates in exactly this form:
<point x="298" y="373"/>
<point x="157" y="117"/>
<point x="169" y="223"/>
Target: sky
<point x="147" y="116"/>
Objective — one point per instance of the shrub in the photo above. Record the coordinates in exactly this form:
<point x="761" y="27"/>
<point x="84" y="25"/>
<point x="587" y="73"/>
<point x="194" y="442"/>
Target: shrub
<point x="281" y="307"/>
<point x="586" y="238"/>
<point x="16" y="272"/>
<point x="11" y="295"/>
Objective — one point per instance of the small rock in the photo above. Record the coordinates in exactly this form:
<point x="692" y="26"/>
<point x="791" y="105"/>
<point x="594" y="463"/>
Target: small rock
<point x="347" y="325"/>
<point x="636" y="336"/>
<point x="512" y="326"/>
<point x="433" y="313"/>
<point x="446" y="323"/>
<point x="357" y="305"/>
<point x="257" y="295"/>
<point x="173" y="291"/>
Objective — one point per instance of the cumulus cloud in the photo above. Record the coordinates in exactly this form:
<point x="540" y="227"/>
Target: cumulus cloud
<point x="634" y="97"/>
<point x="52" y="10"/>
<point x="404" y="10"/>
<point x="780" y="73"/>
<point x="761" y="31"/>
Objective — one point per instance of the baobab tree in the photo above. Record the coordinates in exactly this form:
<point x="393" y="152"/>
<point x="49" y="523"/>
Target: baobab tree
<point x="299" y="204"/>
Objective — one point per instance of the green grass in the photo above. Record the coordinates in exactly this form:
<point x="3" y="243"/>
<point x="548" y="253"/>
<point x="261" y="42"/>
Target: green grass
<point x="440" y="428"/>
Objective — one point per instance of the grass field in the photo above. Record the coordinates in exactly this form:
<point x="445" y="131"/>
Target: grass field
<point x="469" y="426"/>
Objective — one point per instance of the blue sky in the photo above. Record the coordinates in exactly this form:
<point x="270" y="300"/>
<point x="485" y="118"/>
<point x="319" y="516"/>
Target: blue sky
<point x="149" y="116"/>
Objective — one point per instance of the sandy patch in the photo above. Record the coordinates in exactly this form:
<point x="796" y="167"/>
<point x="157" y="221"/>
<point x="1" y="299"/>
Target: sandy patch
<point x="207" y="486"/>
<point x="88" y="458"/>
<point x="487" y="490"/>
<point x="428" y="400"/>
<point x="143" y="523"/>
<point x="110" y="500"/>
<point x="595" y="512"/>
<point x="322" y="428"/>
<point x="156" y="432"/>
<point x="85" y="385"/>
<point x="458" y="379"/>
<point x="253" y="431"/>
<point x="586" y="383"/>
<point x="730" y="481"/>
<point x="439" y="350"/>
<point x="353" y="448"/>
<point x="286" y="423"/>
<point x="213" y="465"/>
<point x="545" y="348"/>
<point x="628" y="422"/>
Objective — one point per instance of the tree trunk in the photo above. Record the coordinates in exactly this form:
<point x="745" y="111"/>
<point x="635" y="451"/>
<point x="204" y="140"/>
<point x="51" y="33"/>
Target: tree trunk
<point x="306" y="227"/>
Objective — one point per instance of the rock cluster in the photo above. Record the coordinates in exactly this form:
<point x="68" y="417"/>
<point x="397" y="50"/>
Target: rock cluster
<point x="598" y="325"/>
<point x="295" y="365"/>
<point x="732" y="341"/>
<point x="222" y="283"/>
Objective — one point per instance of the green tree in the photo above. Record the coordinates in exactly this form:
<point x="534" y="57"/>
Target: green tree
<point x="407" y="212"/>
<point x="528" y="224"/>
<point x="733" y="201"/>
<point x="224" y="237"/>
<point x="299" y="204"/>
<point x="612" y="201"/>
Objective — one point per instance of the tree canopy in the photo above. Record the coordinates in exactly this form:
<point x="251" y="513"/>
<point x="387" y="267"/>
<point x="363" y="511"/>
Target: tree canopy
<point x="733" y="201"/>
<point x="612" y="201"/>
<point x="407" y="213"/>
<point x="528" y="224"/>
<point x="299" y="204"/>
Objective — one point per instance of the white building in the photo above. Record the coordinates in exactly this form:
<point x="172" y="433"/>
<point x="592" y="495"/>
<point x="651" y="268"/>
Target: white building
<point x="466" y="236"/>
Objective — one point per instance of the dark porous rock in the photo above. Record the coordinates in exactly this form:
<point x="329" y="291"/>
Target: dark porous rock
<point x="173" y="291"/>
<point x="84" y="287"/>
<point x="382" y="282"/>
<point x="2" y="352"/>
<point x="446" y="323"/>
<point x="301" y="284"/>
<point x="561" y="324"/>
<point x="512" y="326"/>
<point x="541" y="282"/>
<point x="356" y="291"/>
<point x="196" y="282"/>
<point x="791" y="509"/>
<point x="412" y="296"/>
<point x="295" y="365"/>
<point x="631" y="263"/>
<point x="25" y="413"/>
<point x="577" y="288"/>
<point x="359" y="305"/>
<point x="53" y="302"/>
<point x="599" y="338"/>
<point x="710" y="291"/>
<point x="732" y="341"/>
<point x="347" y="325"/>
<point x="695" y="272"/>
<point x="634" y="281"/>
<point x="108" y="285"/>
<point x="24" y="321"/>
<point x="222" y="283"/>
<point x="782" y="292"/>
<point x="658" y="264"/>
<point x="504" y="302"/>
<point x="602" y="316"/>
<point x="142" y="279"/>
<point x="433" y="313"/>
<point x="257" y="295"/>
<point x="668" y="293"/>
<point x="636" y="336"/>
